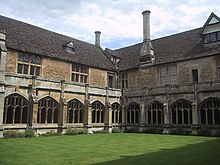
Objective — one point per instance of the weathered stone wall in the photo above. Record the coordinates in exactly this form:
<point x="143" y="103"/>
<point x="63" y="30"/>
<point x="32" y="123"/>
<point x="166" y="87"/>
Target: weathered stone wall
<point x="11" y="61"/>
<point x="56" y="70"/>
<point x="207" y="70"/>
<point x="98" y="77"/>
<point x="149" y="76"/>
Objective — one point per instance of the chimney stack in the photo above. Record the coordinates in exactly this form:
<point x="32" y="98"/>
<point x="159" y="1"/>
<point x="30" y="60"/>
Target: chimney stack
<point x="146" y="25"/>
<point x="97" y="38"/>
<point x="147" y="53"/>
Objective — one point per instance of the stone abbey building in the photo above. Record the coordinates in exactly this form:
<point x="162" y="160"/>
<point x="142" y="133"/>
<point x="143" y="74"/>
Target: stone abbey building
<point x="49" y="81"/>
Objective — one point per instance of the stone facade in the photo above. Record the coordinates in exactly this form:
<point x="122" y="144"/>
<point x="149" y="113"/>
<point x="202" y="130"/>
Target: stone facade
<point x="154" y="84"/>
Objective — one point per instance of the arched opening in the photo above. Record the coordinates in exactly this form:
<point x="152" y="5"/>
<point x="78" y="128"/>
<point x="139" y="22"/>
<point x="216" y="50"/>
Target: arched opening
<point x="47" y="110"/>
<point x="116" y="113"/>
<point x="98" y="110"/>
<point x="132" y="112"/>
<point x="16" y="109"/>
<point x="181" y="112"/>
<point x="75" y="111"/>
<point x="155" y="113"/>
<point x="210" y="111"/>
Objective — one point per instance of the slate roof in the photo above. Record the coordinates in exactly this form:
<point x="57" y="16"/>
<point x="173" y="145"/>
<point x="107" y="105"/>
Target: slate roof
<point x="32" y="39"/>
<point x="182" y="46"/>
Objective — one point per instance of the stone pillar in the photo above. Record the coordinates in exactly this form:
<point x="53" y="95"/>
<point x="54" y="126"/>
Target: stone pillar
<point x="166" y="117"/>
<point x="195" y="119"/>
<point x="142" y="113"/>
<point x="108" y="114"/>
<point x="65" y="114"/>
<point x="35" y="111"/>
<point x="62" y="102"/>
<point x="3" y="54"/>
<point x="87" y="117"/>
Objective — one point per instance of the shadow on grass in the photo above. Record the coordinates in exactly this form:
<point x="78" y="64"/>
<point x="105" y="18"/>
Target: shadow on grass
<point x="206" y="153"/>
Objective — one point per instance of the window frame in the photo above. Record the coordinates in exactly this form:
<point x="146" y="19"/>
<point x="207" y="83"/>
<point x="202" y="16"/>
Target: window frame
<point x="79" y="73"/>
<point x="208" y="37"/>
<point x="24" y="65"/>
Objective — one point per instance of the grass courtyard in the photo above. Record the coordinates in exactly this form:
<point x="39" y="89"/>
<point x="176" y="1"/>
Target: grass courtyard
<point x="111" y="149"/>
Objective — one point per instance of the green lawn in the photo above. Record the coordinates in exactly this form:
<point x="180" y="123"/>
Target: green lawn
<point x="104" y="149"/>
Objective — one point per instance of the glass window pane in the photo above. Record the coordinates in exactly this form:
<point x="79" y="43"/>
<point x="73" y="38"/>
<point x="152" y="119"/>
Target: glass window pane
<point x="20" y="66"/>
<point x="218" y="36"/>
<point x="26" y="58"/>
<point x="77" y="68"/>
<point x="32" y="70"/>
<point x="73" y="77"/>
<point x="37" y="71"/>
<point x="20" y="57"/>
<point x="77" y="78"/>
<point x="85" y="79"/>
<point x="33" y="59"/>
<point x="25" y="71"/>
<point x="38" y="60"/>
<point x="82" y="79"/>
<point x="73" y="67"/>
<point x="213" y="37"/>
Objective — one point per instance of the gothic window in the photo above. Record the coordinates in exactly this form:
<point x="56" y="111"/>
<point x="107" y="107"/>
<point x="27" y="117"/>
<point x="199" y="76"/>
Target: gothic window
<point x="98" y="112"/>
<point x="210" y="111"/>
<point x="47" y="110"/>
<point x="155" y="113"/>
<point x="28" y="64"/>
<point x="16" y="109"/>
<point x="79" y="73"/>
<point x="181" y="112"/>
<point x="124" y="80"/>
<point x="116" y="113"/>
<point x="132" y="113"/>
<point x="75" y="111"/>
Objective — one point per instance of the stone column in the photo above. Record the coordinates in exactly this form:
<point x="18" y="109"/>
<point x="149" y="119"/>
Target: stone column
<point x="108" y="114"/>
<point x="195" y="118"/>
<point x="166" y="117"/>
<point x="65" y="114"/>
<point x="62" y="102"/>
<point x="87" y="117"/>
<point x="35" y="111"/>
<point x="142" y="113"/>
<point x="3" y="54"/>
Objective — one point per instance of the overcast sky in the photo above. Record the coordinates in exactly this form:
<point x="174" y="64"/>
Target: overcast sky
<point x="120" y="21"/>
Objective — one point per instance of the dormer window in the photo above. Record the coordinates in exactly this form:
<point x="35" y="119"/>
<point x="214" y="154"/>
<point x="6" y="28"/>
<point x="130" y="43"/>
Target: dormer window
<point x="212" y="37"/>
<point x="211" y="29"/>
<point x="70" y="47"/>
<point x="115" y="59"/>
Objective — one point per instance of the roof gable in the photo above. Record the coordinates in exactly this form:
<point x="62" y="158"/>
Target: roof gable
<point x="212" y="20"/>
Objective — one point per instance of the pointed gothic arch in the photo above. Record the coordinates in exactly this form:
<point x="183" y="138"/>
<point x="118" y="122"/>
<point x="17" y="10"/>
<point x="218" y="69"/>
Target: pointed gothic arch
<point x="75" y="110"/>
<point x="98" y="110"/>
<point x="16" y="109"/>
<point x="48" y="109"/>
<point x="132" y="113"/>
<point x="209" y="111"/>
<point x="181" y="112"/>
<point x="155" y="113"/>
<point x="116" y="113"/>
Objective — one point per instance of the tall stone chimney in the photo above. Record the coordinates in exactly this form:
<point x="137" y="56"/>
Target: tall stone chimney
<point x="97" y="38"/>
<point x="147" y="53"/>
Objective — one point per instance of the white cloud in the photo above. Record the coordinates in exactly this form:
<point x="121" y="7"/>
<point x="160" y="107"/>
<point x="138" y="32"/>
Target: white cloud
<point x="120" y="21"/>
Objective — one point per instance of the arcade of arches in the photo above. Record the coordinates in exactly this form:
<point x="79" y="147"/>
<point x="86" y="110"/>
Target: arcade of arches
<point x="17" y="111"/>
